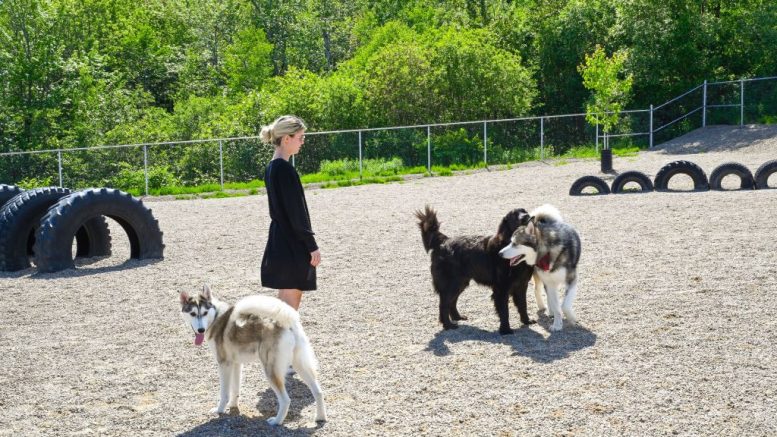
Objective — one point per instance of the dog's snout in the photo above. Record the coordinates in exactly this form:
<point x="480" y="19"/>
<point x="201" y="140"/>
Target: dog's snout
<point x="201" y="330"/>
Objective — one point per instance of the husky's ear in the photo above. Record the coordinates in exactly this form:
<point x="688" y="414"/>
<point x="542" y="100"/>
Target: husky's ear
<point x="530" y="226"/>
<point x="184" y="297"/>
<point x="206" y="292"/>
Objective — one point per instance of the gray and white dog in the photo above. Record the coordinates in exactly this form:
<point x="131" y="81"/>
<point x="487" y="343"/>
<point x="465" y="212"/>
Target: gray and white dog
<point x="553" y="248"/>
<point x="257" y="328"/>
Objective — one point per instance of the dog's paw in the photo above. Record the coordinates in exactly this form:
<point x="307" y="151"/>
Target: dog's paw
<point x="451" y="326"/>
<point x="321" y="418"/>
<point x="273" y="421"/>
<point x="528" y="322"/>
<point x="460" y="317"/>
<point x="217" y="410"/>
<point x="557" y="326"/>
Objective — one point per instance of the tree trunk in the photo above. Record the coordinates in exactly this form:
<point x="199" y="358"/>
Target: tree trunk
<point x="328" y="50"/>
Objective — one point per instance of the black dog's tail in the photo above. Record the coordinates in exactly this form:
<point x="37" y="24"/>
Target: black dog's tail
<point x="430" y="228"/>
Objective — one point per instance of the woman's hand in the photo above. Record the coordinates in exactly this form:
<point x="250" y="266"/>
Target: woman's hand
<point x="315" y="258"/>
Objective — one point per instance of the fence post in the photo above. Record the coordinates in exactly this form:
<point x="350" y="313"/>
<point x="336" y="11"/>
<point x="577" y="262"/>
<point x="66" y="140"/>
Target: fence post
<point x="429" y="149"/>
<point x="221" y="164"/>
<point x="542" y="138"/>
<point x="651" y="126"/>
<point x="485" y="144"/>
<point x="59" y="159"/>
<point x="704" y="105"/>
<point x="741" y="102"/>
<point x="360" y="155"/>
<point x="597" y="137"/>
<point x="145" y="166"/>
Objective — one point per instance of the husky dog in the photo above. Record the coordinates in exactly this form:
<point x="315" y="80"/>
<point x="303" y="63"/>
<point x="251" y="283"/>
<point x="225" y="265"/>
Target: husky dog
<point x="458" y="260"/>
<point x="257" y="328"/>
<point x="553" y="248"/>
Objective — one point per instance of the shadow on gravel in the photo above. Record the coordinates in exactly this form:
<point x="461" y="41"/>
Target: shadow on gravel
<point x="238" y="425"/>
<point x="716" y="139"/>
<point x="300" y="398"/>
<point x="80" y="271"/>
<point x="525" y="341"/>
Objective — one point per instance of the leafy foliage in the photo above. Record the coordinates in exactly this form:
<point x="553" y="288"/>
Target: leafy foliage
<point x="83" y="73"/>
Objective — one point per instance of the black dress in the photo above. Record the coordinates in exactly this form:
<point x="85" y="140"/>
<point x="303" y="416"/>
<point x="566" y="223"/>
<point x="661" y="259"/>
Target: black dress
<point x="286" y="261"/>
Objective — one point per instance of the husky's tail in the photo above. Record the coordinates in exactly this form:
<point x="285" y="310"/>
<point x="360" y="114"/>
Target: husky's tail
<point x="267" y="308"/>
<point x="547" y="214"/>
<point x="430" y="228"/>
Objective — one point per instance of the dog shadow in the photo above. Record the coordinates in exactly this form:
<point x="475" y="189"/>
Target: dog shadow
<point x="225" y="426"/>
<point x="526" y="341"/>
<point x="240" y="425"/>
<point x="298" y="392"/>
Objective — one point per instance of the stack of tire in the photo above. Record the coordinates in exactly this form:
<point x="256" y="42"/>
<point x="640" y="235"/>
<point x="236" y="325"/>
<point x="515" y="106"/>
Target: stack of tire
<point x="661" y="181"/>
<point x="40" y="225"/>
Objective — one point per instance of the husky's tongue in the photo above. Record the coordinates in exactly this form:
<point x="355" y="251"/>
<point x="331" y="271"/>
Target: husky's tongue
<point x="198" y="338"/>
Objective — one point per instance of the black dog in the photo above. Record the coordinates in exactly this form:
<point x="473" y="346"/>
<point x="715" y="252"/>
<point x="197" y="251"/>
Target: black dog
<point x="456" y="261"/>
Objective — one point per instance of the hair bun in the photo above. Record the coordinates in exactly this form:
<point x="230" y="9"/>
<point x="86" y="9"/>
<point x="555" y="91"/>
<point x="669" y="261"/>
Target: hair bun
<point x="266" y="135"/>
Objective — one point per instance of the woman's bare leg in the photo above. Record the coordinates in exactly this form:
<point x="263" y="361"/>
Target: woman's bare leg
<point x="291" y="296"/>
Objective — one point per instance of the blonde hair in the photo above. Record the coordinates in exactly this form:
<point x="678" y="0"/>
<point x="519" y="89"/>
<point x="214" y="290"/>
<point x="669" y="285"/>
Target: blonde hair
<point x="283" y="125"/>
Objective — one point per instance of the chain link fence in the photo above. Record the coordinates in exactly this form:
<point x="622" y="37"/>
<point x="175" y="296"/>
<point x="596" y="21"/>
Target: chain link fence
<point x="471" y="144"/>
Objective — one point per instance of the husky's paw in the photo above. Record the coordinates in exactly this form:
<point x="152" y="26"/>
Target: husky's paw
<point x="557" y="325"/>
<point x="217" y="410"/>
<point x="321" y="418"/>
<point x="273" y="421"/>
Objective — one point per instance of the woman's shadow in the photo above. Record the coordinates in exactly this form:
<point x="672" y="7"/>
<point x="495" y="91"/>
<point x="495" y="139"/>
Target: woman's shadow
<point x="525" y="341"/>
<point x="239" y="425"/>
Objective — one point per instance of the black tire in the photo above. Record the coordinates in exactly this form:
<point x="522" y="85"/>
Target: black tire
<point x="729" y="168"/>
<point x="7" y="192"/>
<point x="62" y="221"/>
<point x="19" y="222"/>
<point x="762" y="174"/>
<point x="700" y="182"/>
<point x="589" y="181"/>
<point x="624" y="178"/>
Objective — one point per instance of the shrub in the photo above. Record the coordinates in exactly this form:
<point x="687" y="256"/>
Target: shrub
<point x="30" y="183"/>
<point x="134" y="181"/>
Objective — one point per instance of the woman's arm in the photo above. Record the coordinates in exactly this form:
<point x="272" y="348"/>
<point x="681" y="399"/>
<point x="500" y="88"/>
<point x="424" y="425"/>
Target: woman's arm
<point x="294" y="205"/>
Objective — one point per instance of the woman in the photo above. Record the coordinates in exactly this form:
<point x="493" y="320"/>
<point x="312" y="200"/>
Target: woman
<point x="291" y="255"/>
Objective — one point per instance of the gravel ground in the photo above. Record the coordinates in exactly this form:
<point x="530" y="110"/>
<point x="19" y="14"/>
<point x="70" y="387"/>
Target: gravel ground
<point x="675" y="290"/>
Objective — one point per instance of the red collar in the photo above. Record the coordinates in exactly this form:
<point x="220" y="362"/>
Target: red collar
<point x="544" y="262"/>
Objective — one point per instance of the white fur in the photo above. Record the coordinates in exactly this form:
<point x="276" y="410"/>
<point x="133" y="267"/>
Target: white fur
<point x="552" y="280"/>
<point x="266" y="307"/>
<point x="548" y="212"/>
<point x="293" y="349"/>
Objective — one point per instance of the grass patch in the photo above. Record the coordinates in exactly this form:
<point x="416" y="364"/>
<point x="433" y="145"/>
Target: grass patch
<point x="589" y="151"/>
<point x="345" y="173"/>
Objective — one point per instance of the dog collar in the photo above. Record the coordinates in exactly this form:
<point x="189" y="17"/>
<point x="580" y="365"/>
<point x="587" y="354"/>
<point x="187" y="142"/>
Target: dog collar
<point x="544" y="262"/>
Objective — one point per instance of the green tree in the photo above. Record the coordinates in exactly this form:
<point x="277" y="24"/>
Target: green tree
<point x="247" y="61"/>
<point x="604" y="77"/>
